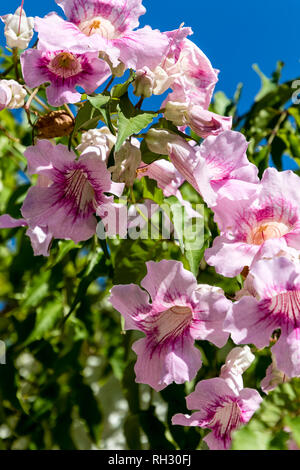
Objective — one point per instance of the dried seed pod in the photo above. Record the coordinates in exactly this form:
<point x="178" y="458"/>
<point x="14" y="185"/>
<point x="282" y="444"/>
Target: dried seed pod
<point x="54" y="124"/>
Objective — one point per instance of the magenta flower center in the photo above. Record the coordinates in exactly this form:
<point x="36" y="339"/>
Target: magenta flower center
<point x="79" y="190"/>
<point x="226" y="419"/>
<point x="98" y="25"/>
<point x="65" y="65"/>
<point x="266" y="231"/>
<point x="285" y="306"/>
<point x="170" y="324"/>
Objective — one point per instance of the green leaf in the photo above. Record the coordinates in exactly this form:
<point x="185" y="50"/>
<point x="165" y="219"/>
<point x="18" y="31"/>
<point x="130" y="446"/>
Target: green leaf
<point x="131" y="121"/>
<point x="47" y="317"/>
<point x="99" y="101"/>
<point x="132" y="432"/>
<point x="294" y="425"/>
<point x="38" y="290"/>
<point x="102" y="104"/>
<point x="267" y="84"/>
<point x="95" y="268"/>
<point x="64" y="247"/>
<point x="151" y="191"/>
<point x="130" y="258"/>
<point x="86" y="118"/>
<point x="119" y="90"/>
<point x="267" y="429"/>
<point x="155" y="430"/>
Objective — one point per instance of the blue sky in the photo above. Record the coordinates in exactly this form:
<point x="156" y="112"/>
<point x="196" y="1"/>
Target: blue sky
<point x="233" y="34"/>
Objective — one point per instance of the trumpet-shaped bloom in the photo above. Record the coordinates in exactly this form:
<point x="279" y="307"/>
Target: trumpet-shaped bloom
<point x="221" y="409"/>
<point x="69" y="192"/>
<point x="105" y="26"/>
<point x="184" y="68"/>
<point x="64" y="70"/>
<point x="276" y="305"/>
<point x="271" y="211"/>
<point x="217" y="167"/>
<point x="204" y="123"/>
<point x="180" y="312"/>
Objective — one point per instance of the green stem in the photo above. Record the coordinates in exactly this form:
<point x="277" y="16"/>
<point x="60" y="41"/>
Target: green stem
<point x="16" y="62"/>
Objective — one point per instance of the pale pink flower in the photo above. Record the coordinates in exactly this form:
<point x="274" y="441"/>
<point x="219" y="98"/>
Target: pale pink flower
<point x="276" y="305"/>
<point x="271" y="211"/>
<point x="217" y="166"/>
<point x="187" y="71"/>
<point x="221" y="408"/>
<point x="69" y="192"/>
<point x="106" y="26"/>
<point x="179" y="313"/>
<point x="157" y="81"/>
<point x="64" y="70"/>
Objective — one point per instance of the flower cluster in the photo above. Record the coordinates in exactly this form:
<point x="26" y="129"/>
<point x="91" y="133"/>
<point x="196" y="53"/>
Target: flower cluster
<point x="258" y="218"/>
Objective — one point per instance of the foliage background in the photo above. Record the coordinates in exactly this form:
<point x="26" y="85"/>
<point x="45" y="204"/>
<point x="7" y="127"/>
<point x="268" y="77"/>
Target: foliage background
<point x="69" y="380"/>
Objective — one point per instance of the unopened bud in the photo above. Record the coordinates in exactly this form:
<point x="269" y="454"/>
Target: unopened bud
<point x="144" y="83"/>
<point x="101" y="140"/>
<point x="18" y="29"/>
<point x="273" y="378"/>
<point x="175" y="112"/>
<point x="237" y="362"/>
<point x="205" y="123"/>
<point x="54" y="124"/>
<point x="127" y="161"/>
<point x="157" y="140"/>
<point x="12" y="94"/>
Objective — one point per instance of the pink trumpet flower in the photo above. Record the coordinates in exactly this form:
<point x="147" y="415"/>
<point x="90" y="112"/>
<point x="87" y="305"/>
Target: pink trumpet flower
<point x="271" y="211"/>
<point x="69" y="192"/>
<point x="180" y="312"/>
<point x="223" y="403"/>
<point x="274" y="304"/>
<point x="108" y="27"/>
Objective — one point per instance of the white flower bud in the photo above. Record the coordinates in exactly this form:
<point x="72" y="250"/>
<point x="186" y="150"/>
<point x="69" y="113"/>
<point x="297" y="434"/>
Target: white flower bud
<point x="127" y="161"/>
<point x="176" y="112"/>
<point x="18" y="29"/>
<point x="12" y="94"/>
<point x="101" y="140"/>
<point x="273" y="378"/>
<point x="5" y="95"/>
<point x="237" y="361"/>
<point x="144" y="83"/>
<point x="157" y="140"/>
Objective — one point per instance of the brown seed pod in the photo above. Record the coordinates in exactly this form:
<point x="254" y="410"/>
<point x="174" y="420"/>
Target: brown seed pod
<point x="54" y="124"/>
